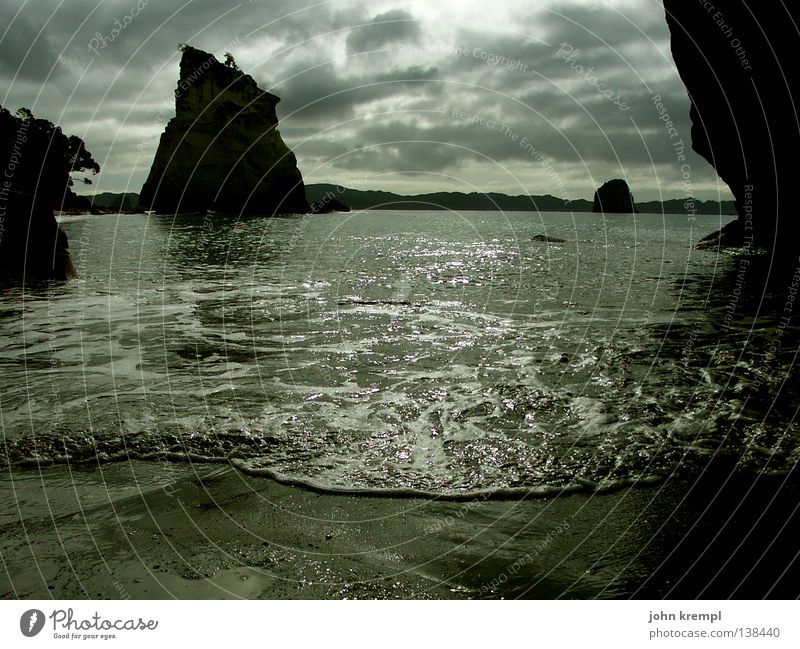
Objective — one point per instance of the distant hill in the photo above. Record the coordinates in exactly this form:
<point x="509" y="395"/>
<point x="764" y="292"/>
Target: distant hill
<point x="678" y="206"/>
<point x="377" y="200"/>
<point x="110" y="201"/>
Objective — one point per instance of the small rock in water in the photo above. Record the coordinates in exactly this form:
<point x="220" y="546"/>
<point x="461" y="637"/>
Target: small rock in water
<point x="329" y="536"/>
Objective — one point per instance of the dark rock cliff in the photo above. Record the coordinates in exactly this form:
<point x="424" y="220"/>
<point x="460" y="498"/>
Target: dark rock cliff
<point x="222" y="150"/>
<point x="39" y="161"/>
<point x="737" y="60"/>
<point x="614" y="196"/>
<point x="32" y="246"/>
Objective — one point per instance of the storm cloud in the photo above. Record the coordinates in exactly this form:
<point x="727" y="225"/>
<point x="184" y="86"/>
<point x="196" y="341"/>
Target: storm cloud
<point x="403" y="96"/>
<point x="395" y="26"/>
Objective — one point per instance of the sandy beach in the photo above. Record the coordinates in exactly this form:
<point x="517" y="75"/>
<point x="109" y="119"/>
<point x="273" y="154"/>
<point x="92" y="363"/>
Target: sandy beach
<point x="157" y="530"/>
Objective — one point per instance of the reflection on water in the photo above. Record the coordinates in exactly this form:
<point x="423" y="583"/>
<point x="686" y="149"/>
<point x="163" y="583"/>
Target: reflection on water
<point x="427" y="351"/>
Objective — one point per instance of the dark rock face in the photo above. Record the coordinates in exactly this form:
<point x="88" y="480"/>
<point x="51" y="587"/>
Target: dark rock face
<point x="737" y="61"/>
<point x="614" y="196"/>
<point x="32" y="246"/>
<point x="222" y="150"/>
<point x="329" y="205"/>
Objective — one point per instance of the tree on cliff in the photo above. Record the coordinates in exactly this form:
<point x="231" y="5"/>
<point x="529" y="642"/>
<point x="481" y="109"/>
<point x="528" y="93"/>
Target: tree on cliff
<point x="39" y="159"/>
<point x="231" y="62"/>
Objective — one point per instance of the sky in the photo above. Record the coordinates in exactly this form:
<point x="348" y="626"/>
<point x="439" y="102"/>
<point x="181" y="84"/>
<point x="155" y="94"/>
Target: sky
<point x="535" y="97"/>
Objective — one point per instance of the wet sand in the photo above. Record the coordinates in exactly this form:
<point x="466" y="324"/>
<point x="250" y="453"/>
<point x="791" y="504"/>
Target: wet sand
<point x="161" y="530"/>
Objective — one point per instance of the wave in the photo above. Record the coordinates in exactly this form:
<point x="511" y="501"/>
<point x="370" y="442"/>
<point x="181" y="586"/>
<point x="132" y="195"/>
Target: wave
<point x="538" y="492"/>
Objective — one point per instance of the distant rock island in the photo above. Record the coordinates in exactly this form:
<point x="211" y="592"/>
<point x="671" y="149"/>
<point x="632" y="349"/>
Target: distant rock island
<point x="614" y="196"/>
<point x="744" y="102"/>
<point x="222" y="150"/>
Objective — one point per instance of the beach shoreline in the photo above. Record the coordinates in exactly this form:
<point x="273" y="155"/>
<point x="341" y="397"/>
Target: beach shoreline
<point x="145" y="530"/>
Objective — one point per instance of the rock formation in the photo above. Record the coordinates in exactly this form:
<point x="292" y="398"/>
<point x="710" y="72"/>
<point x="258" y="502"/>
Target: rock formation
<point x="39" y="160"/>
<point x="543" y="238"/>
<point x="737" y="61"/>
<point x="328" y="207"/>
<point x="614" y="196"/>
<point x="32" y="246"/>
<point x="222" y="150"/>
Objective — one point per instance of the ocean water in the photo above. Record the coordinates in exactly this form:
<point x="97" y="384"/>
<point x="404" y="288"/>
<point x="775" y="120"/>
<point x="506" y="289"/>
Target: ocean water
<point x="400" y="352"/>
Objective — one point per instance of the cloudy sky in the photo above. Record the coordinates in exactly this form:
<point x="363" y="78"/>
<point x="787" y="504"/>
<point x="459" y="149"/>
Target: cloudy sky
<point x="408" y="96"/>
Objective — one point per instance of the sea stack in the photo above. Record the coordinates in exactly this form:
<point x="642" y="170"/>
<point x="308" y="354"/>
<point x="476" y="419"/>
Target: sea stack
<point x="614" y="196"/>
<point x="222" y="151"/>
<point x="737" y="63"/>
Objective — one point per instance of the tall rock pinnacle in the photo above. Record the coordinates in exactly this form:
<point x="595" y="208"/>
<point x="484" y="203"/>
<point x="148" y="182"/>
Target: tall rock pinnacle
<point x="222" y="150"/>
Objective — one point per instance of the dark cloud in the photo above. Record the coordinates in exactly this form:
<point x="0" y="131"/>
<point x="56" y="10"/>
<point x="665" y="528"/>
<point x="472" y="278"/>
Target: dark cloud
<point x="592" y="25"/>
<point x="371" y="89"/>
<point x="395" y="26"/>
<point x="322" y="96"/>
<point x="28" y="52"/>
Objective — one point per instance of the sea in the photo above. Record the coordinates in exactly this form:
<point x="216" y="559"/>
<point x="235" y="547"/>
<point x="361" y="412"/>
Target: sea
<point x="430" y="353"/>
